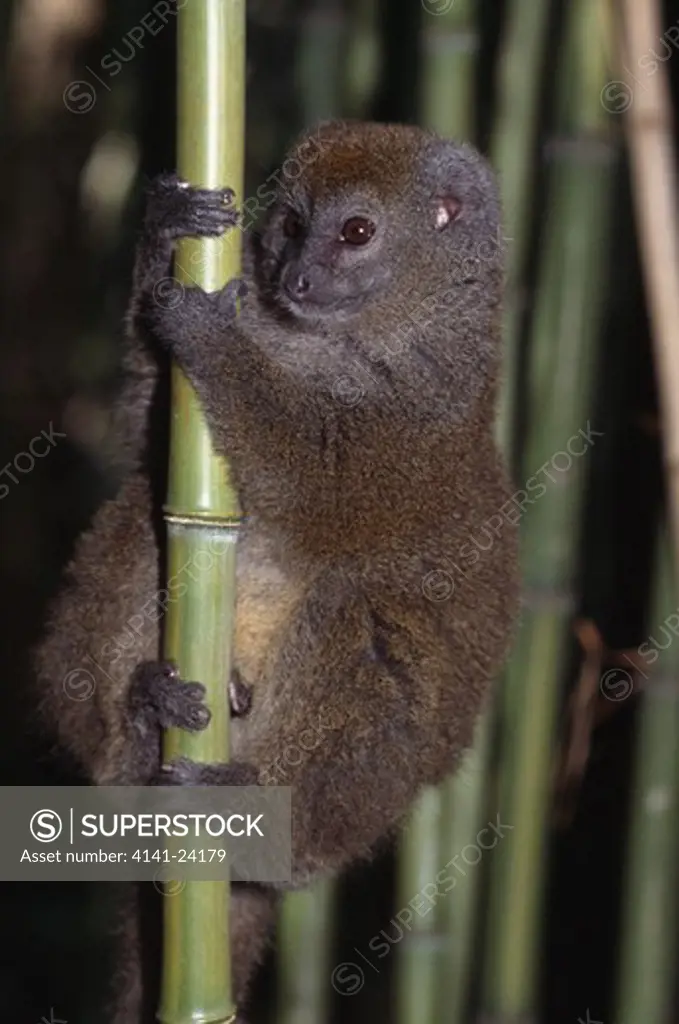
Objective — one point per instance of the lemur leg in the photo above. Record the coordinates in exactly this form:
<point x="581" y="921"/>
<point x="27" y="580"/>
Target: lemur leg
<point x="356" y="688"/>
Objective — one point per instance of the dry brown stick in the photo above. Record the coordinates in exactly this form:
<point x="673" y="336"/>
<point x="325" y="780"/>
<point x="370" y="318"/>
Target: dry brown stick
<point x="649" y="131"/>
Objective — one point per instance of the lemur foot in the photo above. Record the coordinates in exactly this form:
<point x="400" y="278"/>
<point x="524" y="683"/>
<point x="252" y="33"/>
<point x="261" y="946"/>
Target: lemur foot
<point x="176" y="209"/>
<point x="159" y="696"/>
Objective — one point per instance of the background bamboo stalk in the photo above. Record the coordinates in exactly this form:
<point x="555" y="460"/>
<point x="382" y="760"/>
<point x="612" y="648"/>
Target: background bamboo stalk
<point x="321" y="59"/>
<point x="450" y="46"/>
<point x="304" y="938"/>
<point x="363" y="56"/>
<point x="463" y="808"/>
<point x="649" y="926"/>
<point x="202" y="508"/>
<point x="513" y="149"/>
<point x="513" y="157"/>
<point x="646" y="982"/>
<point x="421" y="951"/>
<point x="649" y="121"/>
<point x="565" y="329"/>
<point x="450" y="42"/>
<point x="306" y="917"/>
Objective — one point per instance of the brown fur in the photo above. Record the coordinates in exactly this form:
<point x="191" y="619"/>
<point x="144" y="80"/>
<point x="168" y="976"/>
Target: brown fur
<point x="344" y="162"/>
<point x="350" y="506"/>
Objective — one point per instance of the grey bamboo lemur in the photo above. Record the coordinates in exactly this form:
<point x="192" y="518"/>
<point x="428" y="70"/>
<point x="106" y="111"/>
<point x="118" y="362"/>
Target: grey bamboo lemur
<point x="354" y="395"/>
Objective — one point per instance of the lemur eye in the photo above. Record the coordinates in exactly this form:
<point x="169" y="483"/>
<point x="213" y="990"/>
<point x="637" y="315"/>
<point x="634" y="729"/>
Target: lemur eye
<point x="292" y="225"/>
<point x="357" y="231"/>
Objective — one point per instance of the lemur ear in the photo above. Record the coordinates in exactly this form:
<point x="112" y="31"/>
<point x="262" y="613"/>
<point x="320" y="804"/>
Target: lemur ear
<point x="446" y="210"/>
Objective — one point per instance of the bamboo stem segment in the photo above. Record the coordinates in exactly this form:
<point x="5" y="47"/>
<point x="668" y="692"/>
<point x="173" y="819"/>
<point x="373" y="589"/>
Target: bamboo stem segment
<point x="649" y="121"/>
<point x="306" y="916"/>
<point x="649" y="928"/>
<point x="321" y="54"/>
<point x="450" y="42"/>
<point x="304" y="943"/>
<point x="363" y="55"/>
<point x="423" y="949"/>
<point x="648" y="949"/>
<point x="450" y="47"/>
<point x="202" y="508"/>
<point x="513" y="155"/>
<point x="561" y="359"/>
<point x="462" y="813"/>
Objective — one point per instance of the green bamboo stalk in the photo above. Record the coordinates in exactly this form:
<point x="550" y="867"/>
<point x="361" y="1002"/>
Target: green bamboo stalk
<point x="322" y="51"/>
<point x="304" y="941"/>
<point x="450" y="48"/>
<point x="305" y="920"/>
<point x="563" y="342"/>
<point x="513" y="154"/>
<point x="420" y="950"/>
<point x="202" y="508"/>
<point x="463" y="809"/>
<point x="362" y="58"/>
<point x="649" y="118"/>
<point x="649" y="927"/>
<point x="450" y="45"/>
<point x="646" y="981"/>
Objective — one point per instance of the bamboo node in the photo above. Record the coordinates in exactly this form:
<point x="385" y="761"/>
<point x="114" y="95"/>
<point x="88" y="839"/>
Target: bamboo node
<point x="197" y="519"/>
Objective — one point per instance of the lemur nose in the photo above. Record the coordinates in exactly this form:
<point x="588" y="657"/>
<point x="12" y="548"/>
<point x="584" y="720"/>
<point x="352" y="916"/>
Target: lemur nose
<point x="297" y="286"/>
